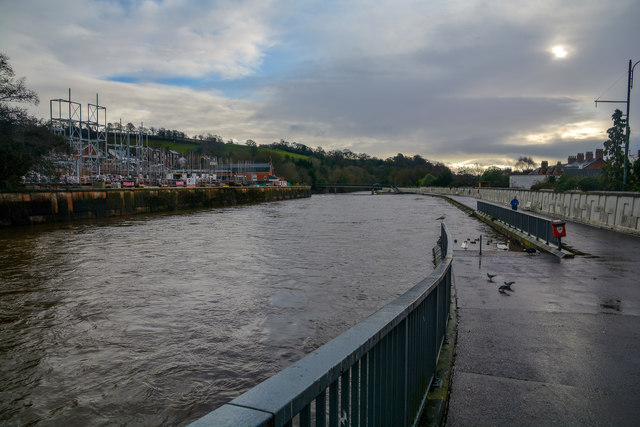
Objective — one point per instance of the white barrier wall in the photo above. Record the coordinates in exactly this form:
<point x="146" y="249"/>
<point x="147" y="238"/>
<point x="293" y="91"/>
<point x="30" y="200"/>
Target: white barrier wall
<point x="616" y="210"/>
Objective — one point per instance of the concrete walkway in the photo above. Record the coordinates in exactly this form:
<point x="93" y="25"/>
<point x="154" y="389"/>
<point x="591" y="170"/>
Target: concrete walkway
<point x="563" y="348"/>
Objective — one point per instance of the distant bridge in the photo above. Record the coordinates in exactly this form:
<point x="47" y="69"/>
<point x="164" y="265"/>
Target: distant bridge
<point x="372" y="187"/>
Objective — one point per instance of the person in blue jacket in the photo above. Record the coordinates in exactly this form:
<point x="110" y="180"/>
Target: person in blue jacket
<point x="515" y="203"/>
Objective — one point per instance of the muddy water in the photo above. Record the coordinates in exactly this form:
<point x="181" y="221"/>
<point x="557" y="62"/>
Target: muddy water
<point x="159" y="319"/>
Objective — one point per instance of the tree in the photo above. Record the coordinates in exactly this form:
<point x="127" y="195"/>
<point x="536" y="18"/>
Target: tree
<point x="635" y="176"/>
<point x="464" y="178"/>
<point x="427" y="180"/>
<point x="613" y="171"/>
<point x="13" y="90"/>
<point x="496" y="177"/>
<point x="24" y="140"/>
<point x="444" y="178"/>
<point x="525" y="163"/>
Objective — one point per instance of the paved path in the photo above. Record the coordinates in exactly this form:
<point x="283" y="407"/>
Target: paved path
<point x="563" y="348"/>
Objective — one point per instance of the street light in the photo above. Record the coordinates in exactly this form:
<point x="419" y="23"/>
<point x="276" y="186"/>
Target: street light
<point x="628" y="130"/>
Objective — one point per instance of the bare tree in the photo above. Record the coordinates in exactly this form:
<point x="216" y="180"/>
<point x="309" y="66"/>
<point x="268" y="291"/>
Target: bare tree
<point x="525" y="163"/>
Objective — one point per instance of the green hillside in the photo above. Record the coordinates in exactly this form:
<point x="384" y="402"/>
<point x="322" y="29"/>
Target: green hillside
<point x="300" y="164"/>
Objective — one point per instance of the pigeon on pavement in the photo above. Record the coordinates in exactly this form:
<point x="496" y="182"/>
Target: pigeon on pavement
<point x="491" y="276"/>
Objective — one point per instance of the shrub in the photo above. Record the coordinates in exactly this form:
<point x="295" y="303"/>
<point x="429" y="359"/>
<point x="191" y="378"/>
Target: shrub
<point x="589" y="184"/>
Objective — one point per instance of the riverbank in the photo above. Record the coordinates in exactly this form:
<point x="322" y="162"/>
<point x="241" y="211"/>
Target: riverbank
<point x="44" y="206"/>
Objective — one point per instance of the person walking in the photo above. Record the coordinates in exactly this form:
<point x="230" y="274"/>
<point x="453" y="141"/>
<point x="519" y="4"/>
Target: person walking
<point x="515" y="203"/>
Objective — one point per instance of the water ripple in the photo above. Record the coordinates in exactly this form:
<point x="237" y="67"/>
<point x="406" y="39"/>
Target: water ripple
<point x="157" y="320"/>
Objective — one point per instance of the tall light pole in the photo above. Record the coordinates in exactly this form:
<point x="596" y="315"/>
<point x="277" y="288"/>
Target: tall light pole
<point x="628" y="129"/>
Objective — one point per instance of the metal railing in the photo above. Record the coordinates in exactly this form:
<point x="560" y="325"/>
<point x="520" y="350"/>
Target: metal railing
<point x="376" y="373"/>
<point x="530" y="224"/>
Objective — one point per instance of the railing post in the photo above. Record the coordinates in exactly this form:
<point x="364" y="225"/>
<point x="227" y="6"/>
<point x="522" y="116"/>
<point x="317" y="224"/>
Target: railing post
<point x="344" y="397"/>
<point x="333" y="405"/>
<point x="371" y="390"/>
<point x="364" y="388"/>
<point x="321" y="409"/>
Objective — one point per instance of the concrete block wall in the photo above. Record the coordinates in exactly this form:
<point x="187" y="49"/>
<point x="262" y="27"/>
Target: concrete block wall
<point x="615" y="210"/>
<point x="43" y="206"/>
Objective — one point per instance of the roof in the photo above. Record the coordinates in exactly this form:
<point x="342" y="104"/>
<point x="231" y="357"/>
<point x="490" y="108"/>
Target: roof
<point x="586" y="164"/>
<point x="551" y="170"/>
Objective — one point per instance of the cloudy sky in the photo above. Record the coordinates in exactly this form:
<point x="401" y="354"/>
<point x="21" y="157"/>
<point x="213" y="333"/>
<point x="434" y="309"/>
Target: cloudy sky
<point x="458" y="81"/>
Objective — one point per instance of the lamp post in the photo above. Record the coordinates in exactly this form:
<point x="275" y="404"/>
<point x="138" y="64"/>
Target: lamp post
<point x="626" y="143"/>
<point x="628" y="129"/>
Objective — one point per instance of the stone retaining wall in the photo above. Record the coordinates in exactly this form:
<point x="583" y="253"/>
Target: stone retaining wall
<point x="40" y="206"/>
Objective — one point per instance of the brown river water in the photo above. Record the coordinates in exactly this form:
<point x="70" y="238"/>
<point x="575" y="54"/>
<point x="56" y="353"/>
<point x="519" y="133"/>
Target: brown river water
<point x="159" y="319"/>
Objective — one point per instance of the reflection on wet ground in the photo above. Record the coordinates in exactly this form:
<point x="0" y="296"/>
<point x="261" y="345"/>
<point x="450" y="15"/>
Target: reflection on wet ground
<point x="560" y="348"/>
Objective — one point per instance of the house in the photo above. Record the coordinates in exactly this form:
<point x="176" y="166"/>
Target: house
<point x="581" y="165"/>
<point x="545" y="169"/>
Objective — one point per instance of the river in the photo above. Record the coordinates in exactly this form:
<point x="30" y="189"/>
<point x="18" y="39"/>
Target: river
<point x="159" y="319"/>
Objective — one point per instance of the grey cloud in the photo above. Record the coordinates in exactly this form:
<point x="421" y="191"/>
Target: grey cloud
<point x="446" y="80"/>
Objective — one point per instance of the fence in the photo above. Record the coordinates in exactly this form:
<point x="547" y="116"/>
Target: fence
<point x="530" y="224"/>
<point x="376" y="373"/>
<point x="618" y="211"/>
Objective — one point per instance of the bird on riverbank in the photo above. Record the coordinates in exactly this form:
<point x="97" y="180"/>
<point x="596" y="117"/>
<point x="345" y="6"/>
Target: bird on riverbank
<point x="491" y="276"/>
<point x="507" y="285"/>
<point x="465" y="245"/>
<point x="503" y="290"/>
<point x="441" y="218"/>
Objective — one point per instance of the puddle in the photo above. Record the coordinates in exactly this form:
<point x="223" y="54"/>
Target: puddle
<point x="611" y="304"/>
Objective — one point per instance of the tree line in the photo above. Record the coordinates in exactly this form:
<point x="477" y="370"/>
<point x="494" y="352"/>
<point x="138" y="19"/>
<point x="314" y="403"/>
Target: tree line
<point x="25" y="141"/>
<point x="26" y="145"/>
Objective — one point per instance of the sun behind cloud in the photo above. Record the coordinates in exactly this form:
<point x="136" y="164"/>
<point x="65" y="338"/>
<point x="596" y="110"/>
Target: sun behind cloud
<point x="559" y="51"/>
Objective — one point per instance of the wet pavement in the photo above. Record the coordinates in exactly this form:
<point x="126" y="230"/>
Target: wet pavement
<point x="563" y="348"/>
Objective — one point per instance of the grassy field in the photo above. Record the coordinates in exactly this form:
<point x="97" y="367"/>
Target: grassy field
<point x="281" y="153"/>
<point x="230" y="150"/>
<point x="180" y="147"/>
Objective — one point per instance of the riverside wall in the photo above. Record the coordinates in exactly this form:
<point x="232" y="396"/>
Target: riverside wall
<point x="42" y="206"/>
<point x="618" y="211"/>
